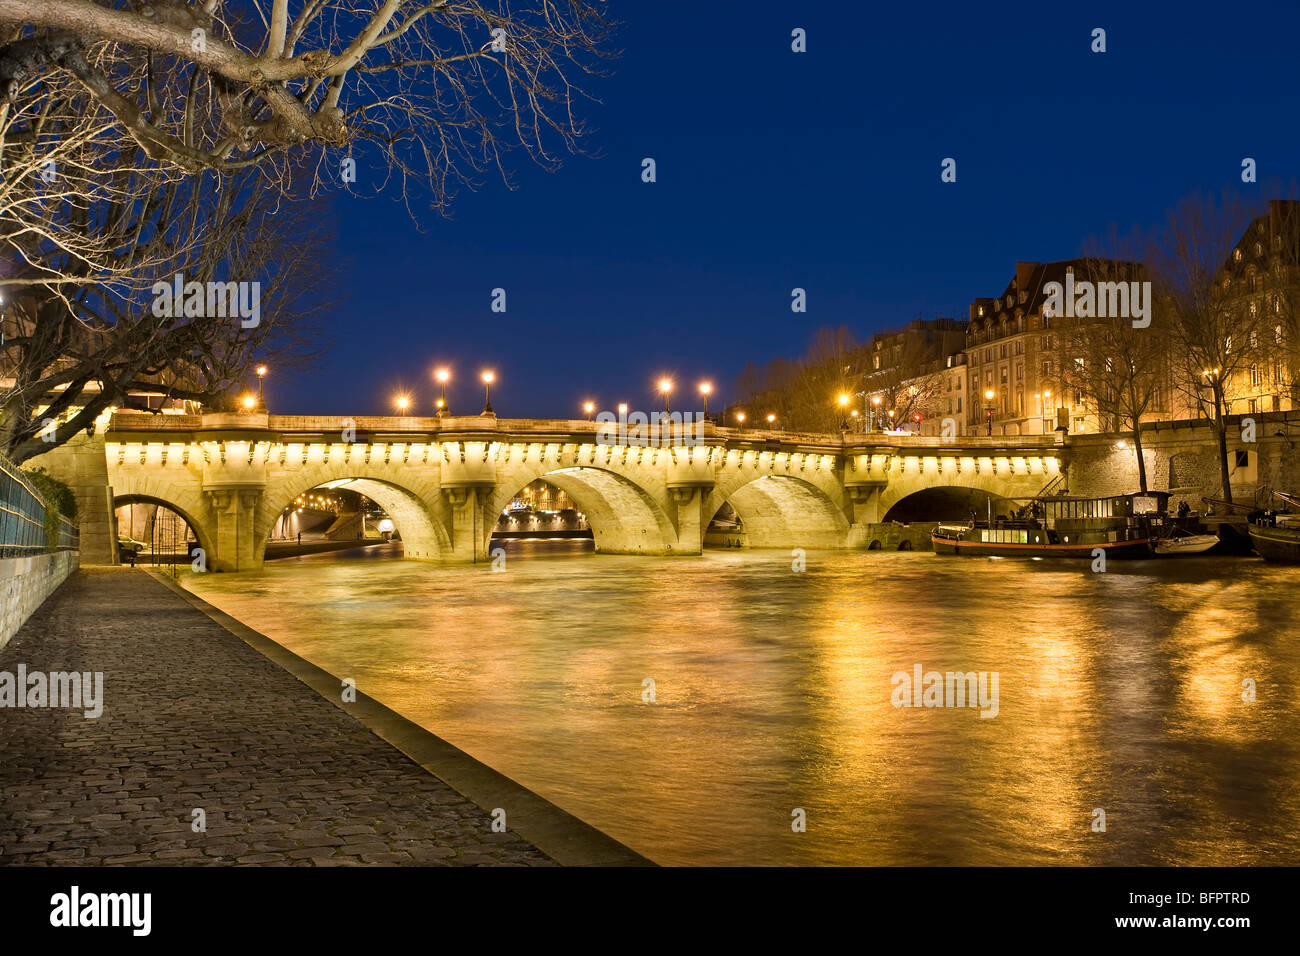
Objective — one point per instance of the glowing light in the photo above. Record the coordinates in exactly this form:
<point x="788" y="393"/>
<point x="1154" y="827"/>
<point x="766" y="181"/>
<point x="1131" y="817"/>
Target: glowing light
<point x="261" y="370"/>
<point x="706" y="388"/>
<point x="988" y="394"/>
<point x="771" y="419"/>
<point x="740" y="417"/>
<point x="249" y="402"/>
<point x="588" y="407"/>
<point x="442" y="375"/>
<point x="844" y="400"/>
<point x="489" y="377"/>
<point x="665" y="385"/>
<point x="403" y="402"/>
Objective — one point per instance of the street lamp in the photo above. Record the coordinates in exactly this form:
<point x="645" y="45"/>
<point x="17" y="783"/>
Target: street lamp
<point x="988" y="408"/>
<point x="665" y="386"/>
<point x="771" y="418"/>
<point x="442" y="375"/>
<point x="706" y="389"/>
<point x="622" y="410"/>
<point x="740" y="419"/>
<point x="403" y="402"/>
<point x="1050" y="409"/>
<point x="261" y="374"/>
<point x="875" y="410"/>
<point x="844" y="404"/>
<point x="488" y="378"/>
<point x="891" y="419"/>
<point x="249" y="403"/>
<point x="589" y="407"/>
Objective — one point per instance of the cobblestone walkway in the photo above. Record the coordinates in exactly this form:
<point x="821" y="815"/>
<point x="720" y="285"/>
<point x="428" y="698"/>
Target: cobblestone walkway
<point x="195" y="718"/>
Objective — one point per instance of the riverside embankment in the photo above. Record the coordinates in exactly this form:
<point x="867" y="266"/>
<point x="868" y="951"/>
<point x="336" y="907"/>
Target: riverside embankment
<point x="216" y="746"/>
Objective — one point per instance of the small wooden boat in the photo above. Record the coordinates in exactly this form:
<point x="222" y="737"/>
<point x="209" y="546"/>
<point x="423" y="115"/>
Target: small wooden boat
<point x="1179" y="544"/>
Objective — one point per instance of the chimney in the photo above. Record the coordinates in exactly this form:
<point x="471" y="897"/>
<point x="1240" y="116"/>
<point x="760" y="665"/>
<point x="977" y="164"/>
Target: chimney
<point x="1024" y="271"/>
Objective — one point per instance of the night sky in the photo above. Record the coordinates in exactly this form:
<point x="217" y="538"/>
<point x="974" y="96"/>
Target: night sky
<point x="819" y="170"/>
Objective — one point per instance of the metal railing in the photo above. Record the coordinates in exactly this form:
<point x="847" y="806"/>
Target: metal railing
<point x="22" y="518"/>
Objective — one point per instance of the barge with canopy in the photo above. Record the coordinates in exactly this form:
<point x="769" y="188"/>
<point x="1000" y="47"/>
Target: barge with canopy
<point x="1064" y="527"/>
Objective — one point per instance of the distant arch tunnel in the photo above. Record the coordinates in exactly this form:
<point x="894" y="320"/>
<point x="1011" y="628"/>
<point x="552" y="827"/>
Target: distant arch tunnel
<point x="948" y="503"/>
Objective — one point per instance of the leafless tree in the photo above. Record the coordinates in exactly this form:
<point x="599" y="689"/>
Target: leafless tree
<point x="434" y="91"/>
<point x="1216" y="330"/>
<point x="78" y="340"/>
<point x="1110" y="364"/>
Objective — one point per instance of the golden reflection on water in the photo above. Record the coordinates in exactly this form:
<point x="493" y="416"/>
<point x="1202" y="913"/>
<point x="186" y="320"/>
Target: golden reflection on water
<point x="1119" y="692"/>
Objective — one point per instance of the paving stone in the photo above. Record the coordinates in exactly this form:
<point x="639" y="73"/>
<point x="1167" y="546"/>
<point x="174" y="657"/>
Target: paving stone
<point x="195" y="718"/>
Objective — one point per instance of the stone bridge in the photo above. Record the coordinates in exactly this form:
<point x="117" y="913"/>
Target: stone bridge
<point x="446" y="481"/>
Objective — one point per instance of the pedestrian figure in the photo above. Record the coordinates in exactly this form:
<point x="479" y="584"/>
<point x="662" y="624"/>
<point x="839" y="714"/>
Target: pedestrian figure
<point x="300" y="537"/>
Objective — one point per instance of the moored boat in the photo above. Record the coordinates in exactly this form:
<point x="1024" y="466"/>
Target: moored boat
<point x="1179" y="544"/>
<point x="1276" y="536"/>
<point x="1063" y="527"/>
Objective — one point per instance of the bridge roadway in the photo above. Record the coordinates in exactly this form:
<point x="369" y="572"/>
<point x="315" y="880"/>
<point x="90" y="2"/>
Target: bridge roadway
<point x="445" y="481"/>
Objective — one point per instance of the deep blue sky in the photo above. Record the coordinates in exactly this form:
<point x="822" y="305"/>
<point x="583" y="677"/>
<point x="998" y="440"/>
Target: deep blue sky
<point x="818" y="170"/>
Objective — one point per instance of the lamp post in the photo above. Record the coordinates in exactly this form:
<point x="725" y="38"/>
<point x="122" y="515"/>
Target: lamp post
<point x="1051" y="411"/>
<point x="248" y="402"/>
<point x="854" y="415"/>
<point x="771" y="419"/>
<point x="844" y="405"/>
<point x="875" y="410"/>
<point x="442" y="375"/>
<point x="488" y="378"/>
<point x="706" y="388"/>
<point x="261" y="374"/>
<point x="665" y="386"/>
<point x="740" y="419"/>
<point x="891" y="419"/>
<point x="403" y="402"/>
<point x="589" y="407"/>
<point x="988" y="408"/>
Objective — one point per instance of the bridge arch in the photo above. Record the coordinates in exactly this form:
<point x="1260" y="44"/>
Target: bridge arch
<point x="947" y="503"/>
<point x="187" y="514"/>
<point x="624" y="517"/>
<point x="782" y="511"/>
<point x="423" y="535"/>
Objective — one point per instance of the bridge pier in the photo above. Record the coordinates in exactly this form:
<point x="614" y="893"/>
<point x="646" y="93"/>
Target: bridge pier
<point x="471" y="526"/>
<point x="237" y="547"/>
<point x="688" y="503"/>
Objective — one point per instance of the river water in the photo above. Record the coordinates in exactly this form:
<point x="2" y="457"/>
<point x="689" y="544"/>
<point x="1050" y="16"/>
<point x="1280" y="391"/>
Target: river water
<point x="773" y="693"/>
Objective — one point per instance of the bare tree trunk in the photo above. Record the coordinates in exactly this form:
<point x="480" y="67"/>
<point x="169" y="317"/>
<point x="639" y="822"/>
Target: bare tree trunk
<point x="1142" y="464"/>
<point x="1221" y="433"/>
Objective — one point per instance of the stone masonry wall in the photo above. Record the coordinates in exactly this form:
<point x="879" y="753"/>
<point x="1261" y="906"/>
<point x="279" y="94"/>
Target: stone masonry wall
<point x="1183" y="459"/>
<point x="27" y="582"/>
